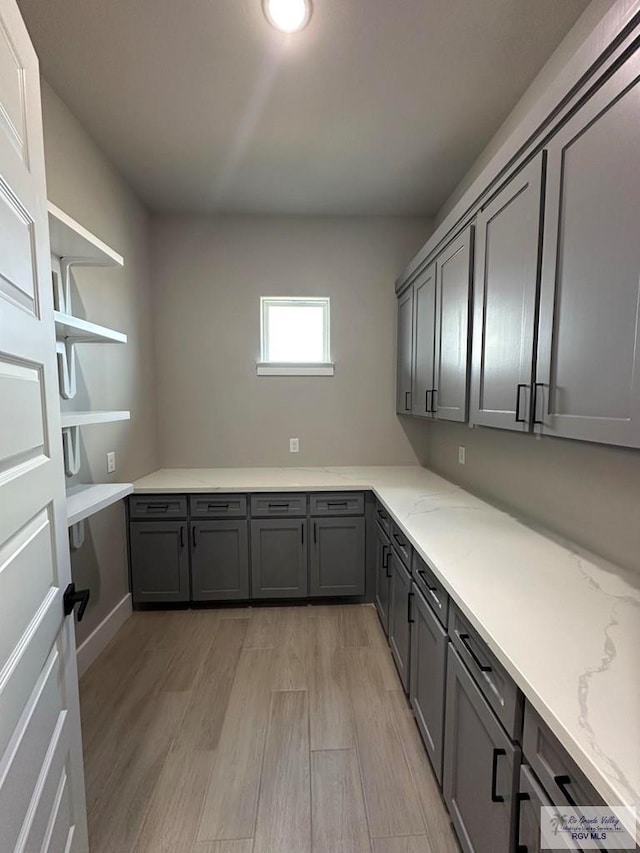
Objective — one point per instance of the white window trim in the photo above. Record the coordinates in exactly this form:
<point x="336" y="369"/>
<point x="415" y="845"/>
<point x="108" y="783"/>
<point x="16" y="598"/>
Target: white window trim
<point x="270" y="368"/>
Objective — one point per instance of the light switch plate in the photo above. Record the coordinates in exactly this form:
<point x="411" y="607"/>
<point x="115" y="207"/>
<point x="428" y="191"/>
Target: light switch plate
<point x="111" y="462"/>
<point x="461" y="455"/>
<point x="294" y="445"/>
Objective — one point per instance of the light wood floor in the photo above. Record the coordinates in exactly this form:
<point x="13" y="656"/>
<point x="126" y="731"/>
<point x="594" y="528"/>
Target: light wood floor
<point x="262" y="730"/>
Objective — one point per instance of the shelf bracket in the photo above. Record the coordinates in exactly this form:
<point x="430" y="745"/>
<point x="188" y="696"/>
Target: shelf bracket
<point x="62" y="282"/>
<point x="76" y="536"/>
<point x="71" y="448"/>
<point x="66" y="352"/>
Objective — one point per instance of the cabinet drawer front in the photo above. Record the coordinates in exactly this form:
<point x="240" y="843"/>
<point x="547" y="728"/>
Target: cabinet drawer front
<point x="557" y="771"/>
<point x="277" y="505"/>
<point x="338" y="503"/>
<point x="433" y="591"/>
<point x="491" y="677"/>
<point x="401" y="545"/>
<point x="145" y="507"/>
<point x="532" y="798"/>
<point x="218" y="506"/>
<point x="382" y="517"/>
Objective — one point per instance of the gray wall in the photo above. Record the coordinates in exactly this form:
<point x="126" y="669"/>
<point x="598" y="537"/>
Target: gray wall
<point x="84" y="184"/>
<point x="588" y="493"/>
<point x="208" y="275"/>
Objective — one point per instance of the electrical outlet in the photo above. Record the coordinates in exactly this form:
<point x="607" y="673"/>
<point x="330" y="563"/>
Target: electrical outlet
<point x="111" y="462"/>
<point x="461" y="455"/>
<point x="294" y="445"/>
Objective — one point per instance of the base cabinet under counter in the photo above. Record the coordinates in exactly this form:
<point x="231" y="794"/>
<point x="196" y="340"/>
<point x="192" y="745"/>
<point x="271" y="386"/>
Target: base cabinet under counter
<point x="159" y="554"/>
<point x="337" y="564"/>
<point x="219" y="560"/>
<point x="279" y="558"/>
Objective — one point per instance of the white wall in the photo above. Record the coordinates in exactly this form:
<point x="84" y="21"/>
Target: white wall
<point x="208" y="275"/>
<point x="84" y="184"/>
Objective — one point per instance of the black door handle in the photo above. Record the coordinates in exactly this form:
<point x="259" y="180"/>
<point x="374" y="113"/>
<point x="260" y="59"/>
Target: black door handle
<point x="562" y="782"/>
<point x="427" y="407"/>
<point x="193" y="536"/>
<point x="73" y="596"/>
<point x="181" y="536"/>
<point x="519" y="388"/>
<point x="534" y="404"/>
<point x="386" y="553"/>
<point x="410" y="618"/>
<point x="407" y="401"/>
<point x="434" y="408"/>
<point x="496" y="798"/>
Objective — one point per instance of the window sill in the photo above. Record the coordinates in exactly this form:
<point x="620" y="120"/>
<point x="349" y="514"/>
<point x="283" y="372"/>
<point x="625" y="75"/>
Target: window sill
<point x="266" y="369"/>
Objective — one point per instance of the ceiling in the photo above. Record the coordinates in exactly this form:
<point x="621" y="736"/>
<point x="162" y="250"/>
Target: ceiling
<point x="378" y="107"/>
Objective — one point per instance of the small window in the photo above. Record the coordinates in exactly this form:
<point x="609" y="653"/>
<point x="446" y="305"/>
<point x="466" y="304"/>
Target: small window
<point x="294" y="337"/>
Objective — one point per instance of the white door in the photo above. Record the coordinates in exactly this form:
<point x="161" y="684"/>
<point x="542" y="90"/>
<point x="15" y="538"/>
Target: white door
<point x="42" y="801"/>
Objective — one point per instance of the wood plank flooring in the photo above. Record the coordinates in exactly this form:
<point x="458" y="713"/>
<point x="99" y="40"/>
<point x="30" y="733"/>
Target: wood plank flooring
<point x="255" y="730"/>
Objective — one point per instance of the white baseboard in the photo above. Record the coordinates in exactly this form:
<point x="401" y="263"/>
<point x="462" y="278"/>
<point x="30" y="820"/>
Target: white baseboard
<point x="101" y="636"/>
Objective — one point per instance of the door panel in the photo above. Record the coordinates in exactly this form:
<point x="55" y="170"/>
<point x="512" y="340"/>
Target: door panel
<point x="383" y="575"/>
<point x="506" y="287"/>
<point x="39" y="709"/>
<point x="220" y="560"/>
<point x="480" y="764"/>
<point x="428" y="666"/>
<point x="159" y="562"/>
<point x="424" y="343"/>
<point x="452" y="328"/>
<point x="404" y="351"/>
<point x="589" y="353"/>
<point x="337" y="556"/>
<point x="278" y="558"/>
<point x="399" y="627"/>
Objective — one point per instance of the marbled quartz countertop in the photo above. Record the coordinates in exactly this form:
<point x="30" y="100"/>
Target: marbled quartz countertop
<point x="564" y="623"/>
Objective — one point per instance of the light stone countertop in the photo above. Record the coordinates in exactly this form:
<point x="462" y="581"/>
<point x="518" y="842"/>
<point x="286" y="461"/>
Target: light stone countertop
<point x="564" y="623"/>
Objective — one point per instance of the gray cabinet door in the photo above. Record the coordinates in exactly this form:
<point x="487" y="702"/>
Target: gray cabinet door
<point x="399" y="625"/>
<point x="507" y="252"/>
<point x="279" y="558"/>
<point x="424" y="343"/>
<point x="383" y="576"/>
<point x="589" y="340"/>
<point x="337" y="556"/>
<point x="453" y="270"/>
<point x="480" y="767"/>
<point x="219" y="560"/>
<point x="533" y="797"/>
<point x="428" y="667"/>
<point x="404" y="351"/>
<point x="159" y="562"/>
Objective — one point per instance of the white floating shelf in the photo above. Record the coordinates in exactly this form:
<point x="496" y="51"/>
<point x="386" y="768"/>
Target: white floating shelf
<point x="69" y="239"/>
<point x="74" y="419"/>
<point x="81" y="331"/>
<point x="83" y="501"/>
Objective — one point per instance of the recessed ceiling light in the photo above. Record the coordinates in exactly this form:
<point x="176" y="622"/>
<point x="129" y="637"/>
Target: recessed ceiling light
<point x="290" y="16"/>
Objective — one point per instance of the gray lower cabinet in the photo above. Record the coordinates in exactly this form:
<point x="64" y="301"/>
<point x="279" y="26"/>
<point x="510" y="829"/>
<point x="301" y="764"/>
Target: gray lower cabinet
<point x="383" y="576"/>
<point x="480" y="767"/>
<point x="337" y="556"/>
<point x="532" y="798"/>
<point x="219" y="560"/>
<point x="404" y="345"/>
<point x="505" y="302"/>
<point x="279" y="558"/>
<point x="427" y="682"/>
<point x="159" y="562"/>
<point x="399" y="616"/>
<point x="589" y="341"/>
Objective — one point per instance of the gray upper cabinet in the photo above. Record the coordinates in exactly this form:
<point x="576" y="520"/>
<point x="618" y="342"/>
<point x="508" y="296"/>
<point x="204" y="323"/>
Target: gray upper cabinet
<point x="219" y="560"/>
<point x="159" y="562"/>
<point x="279" y="558"/>
<point x="507" y="252"/>
<point x="383" y="576"/>
<point x="454" y="272"/>
<point x="427" y="683"/>
<point x="589" y="344"/>
<point x="404" y="351"/>
<point x="480" y="767"/>
<point x="399" y="616"/>
<point x="424" y="343"/>
<point x="337" y="556"/>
